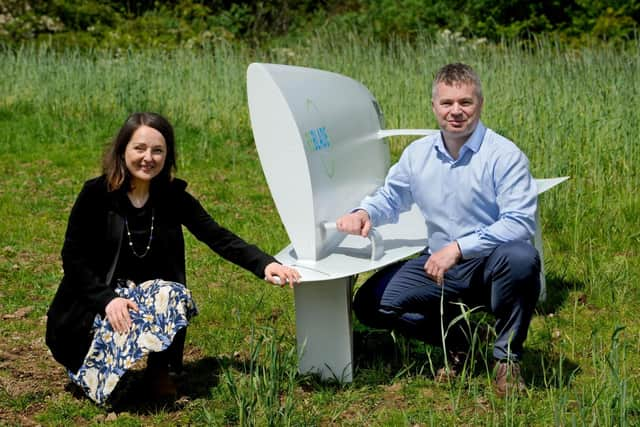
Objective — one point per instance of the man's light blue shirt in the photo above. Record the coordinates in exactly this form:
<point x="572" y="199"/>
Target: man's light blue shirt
<point x="483" y="199"/>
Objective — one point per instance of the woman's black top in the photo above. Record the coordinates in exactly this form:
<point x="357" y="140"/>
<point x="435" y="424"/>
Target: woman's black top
<point x="136" y="263"/>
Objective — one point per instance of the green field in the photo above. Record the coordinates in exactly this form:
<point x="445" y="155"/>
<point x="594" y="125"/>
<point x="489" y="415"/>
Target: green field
<point x="572" y="111"/>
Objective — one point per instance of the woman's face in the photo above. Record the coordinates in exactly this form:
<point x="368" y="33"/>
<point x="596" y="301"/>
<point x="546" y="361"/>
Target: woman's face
<point x="145" y="154"/>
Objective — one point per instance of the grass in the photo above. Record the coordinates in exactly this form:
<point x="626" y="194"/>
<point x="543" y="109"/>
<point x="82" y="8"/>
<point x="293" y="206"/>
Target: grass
<point x="571" y="111"/>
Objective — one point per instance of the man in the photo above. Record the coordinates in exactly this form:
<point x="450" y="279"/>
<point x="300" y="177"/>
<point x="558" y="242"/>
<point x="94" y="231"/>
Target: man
<point x="478" y="199"/>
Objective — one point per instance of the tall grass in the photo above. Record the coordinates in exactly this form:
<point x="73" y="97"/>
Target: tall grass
<point x="572" y="111"/>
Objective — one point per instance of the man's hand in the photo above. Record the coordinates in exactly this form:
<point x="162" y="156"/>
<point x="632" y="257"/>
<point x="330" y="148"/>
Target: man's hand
<point x="357" y="223"/>
<point x="441" y="261"/>
<point x="117" y="312"/>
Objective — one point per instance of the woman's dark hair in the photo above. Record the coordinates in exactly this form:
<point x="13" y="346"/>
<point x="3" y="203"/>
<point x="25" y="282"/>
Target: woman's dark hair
<point x="113" y="163"/>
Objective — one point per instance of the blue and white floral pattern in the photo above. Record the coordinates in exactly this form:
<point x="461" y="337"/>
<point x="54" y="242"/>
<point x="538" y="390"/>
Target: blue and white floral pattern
<point x="164" y="308"/>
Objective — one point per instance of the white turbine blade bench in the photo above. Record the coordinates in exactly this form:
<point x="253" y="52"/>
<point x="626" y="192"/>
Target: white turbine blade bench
<point x="322" y="148"/>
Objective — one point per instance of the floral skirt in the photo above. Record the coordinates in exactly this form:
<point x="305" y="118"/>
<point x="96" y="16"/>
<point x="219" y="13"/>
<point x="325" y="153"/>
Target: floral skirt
<point x="164" y="309"/>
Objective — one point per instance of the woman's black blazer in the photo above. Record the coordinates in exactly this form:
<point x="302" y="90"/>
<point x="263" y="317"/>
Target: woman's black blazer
<point x="91" y="249"/>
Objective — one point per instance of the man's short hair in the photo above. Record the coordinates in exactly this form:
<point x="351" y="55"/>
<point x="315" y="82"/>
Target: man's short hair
<point x="455" y="74"/>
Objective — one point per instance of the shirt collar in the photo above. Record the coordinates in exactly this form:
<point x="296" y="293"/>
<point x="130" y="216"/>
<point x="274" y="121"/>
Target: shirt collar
<point x="476" y="138"/>
<point x="473" y="143"/>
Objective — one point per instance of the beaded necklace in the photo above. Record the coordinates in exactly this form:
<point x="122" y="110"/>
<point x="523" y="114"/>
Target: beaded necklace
<point x="146" y="251"/>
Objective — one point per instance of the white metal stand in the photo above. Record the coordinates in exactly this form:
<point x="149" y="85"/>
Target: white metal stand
<point x="323" y="328"/>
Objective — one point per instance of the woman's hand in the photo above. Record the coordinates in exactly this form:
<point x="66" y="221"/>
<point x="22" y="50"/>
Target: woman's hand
<point x="117" y="312"/>
<point x="279" y="274"/>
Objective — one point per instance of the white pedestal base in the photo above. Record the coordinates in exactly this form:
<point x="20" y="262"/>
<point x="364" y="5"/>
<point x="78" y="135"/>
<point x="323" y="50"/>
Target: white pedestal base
<point x="323" y="328"/>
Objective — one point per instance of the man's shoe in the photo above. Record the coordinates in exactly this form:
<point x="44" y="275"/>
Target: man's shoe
<point x="456" y="364"/>
<point x="508" y="379"/>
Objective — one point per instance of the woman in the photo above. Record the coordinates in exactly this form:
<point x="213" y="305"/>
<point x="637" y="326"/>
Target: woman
<point x="123" y="292"/>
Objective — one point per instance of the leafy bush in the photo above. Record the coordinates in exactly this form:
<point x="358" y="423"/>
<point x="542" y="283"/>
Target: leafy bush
<point x="141" y="23"/>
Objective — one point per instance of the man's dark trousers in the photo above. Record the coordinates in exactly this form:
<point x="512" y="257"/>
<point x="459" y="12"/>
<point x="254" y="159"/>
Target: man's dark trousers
<point x="506" y="283"/>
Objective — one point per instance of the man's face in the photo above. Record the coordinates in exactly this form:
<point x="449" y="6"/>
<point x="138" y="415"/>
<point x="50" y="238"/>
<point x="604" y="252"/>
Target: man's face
<point x="457" y="109"/>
